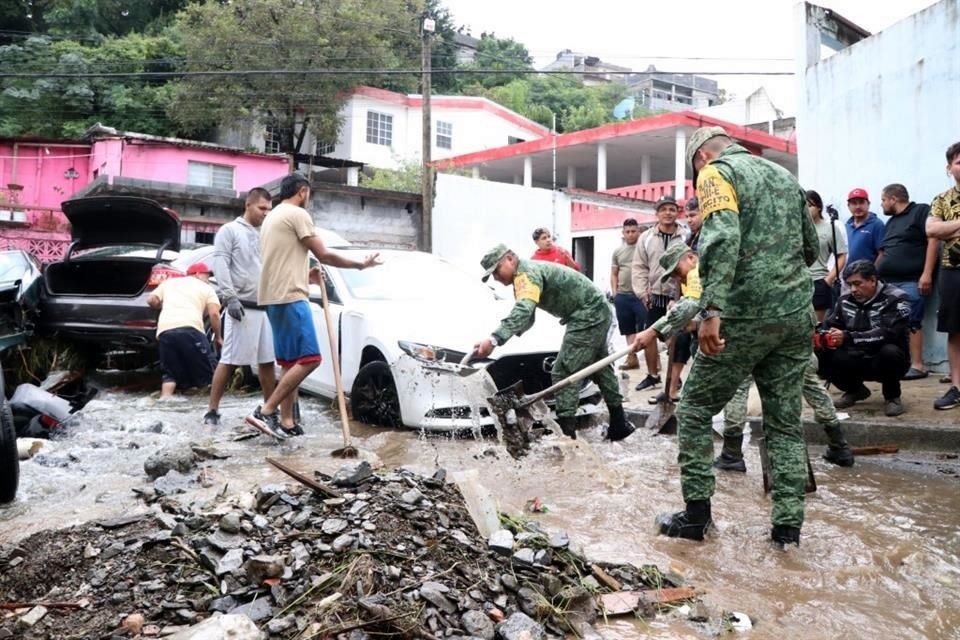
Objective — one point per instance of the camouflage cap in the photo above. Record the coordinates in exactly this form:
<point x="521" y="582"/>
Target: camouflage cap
<point x="700" y="136"/>
<point x="671" y="258"/>
<point x="491" y="259"/>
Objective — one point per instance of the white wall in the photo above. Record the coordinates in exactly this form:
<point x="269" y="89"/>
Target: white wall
<point x="883" y="110"/>
<point x="470" y="216"/>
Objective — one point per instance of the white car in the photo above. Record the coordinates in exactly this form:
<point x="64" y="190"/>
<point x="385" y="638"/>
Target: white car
<point x="402" y="329"/>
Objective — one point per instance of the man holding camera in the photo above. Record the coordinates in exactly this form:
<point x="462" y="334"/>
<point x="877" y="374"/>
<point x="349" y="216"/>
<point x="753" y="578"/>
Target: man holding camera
<point x="867" y="339"/>
<point x="944" y="224"/>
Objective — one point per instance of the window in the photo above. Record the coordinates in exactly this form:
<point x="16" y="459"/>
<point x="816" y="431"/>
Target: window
<point x="444" y="135"/>
<point x="379" y="128"/>
<point x="323" y="148"/>
<point x="272" y="139"/>
<point x="204" y="174"/>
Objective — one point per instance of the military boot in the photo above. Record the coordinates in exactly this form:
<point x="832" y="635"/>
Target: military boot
<point x="731" y="456"/>
<point x="838" y="452"/>
<point x="568" y="424"/>
<point x="619" y="427"/>
<point x="782" y="534"/>
<point x="692" y="523"/>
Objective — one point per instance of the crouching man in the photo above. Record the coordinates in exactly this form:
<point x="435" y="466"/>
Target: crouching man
<point x="185" y="359"/>
<point x="572" y="297"/>
<point x="867" y="339"/>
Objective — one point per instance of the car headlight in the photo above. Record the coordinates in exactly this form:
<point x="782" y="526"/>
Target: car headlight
<point x="419" y="351"/>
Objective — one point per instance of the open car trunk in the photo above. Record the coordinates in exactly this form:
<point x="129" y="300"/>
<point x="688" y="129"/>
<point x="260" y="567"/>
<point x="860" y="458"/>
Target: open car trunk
<point x="98" y="277"/>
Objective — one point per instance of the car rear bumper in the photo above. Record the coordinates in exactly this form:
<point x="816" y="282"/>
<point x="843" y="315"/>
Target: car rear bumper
<point x="128" y="322"/>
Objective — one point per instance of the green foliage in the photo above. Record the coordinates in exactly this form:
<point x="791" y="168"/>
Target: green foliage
<point x="575" y="105"/>
<point x="499" y="53"/>
<point x="443" y="48"/>
<point x="407" y="178"/>
<point x="88" y="21"/>
<point x="293" y="35"/>
<point x="66" y="107"/>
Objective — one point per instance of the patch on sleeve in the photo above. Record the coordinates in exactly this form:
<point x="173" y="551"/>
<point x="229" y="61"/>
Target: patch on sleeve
<point x="692" y="288"/>
<point x="523" y="289"/>
<point x="714" y="192"/>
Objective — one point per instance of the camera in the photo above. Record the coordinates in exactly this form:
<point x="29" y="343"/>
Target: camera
<point x="822" y="339"/>
<point x="833" y="213"/>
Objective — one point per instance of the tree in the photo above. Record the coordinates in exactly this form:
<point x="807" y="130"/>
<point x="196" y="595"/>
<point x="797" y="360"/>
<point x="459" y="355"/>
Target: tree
<point x="83" y="20"/>
<point x="405" y="178"/>
<point x="288" y="35"/>
<point x="443" y="48"/>
<point x="66" y="107"/>
<point x="499" y="53"/>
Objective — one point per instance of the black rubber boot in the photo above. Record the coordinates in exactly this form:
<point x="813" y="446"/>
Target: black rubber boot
<point x="731" y="456"/>
<point x="838" y="452"/>
<point x="568" y="424"/>
<point x="619" y="427"/>
<point x="691" y="523"/>
<point x="782" y="534"/>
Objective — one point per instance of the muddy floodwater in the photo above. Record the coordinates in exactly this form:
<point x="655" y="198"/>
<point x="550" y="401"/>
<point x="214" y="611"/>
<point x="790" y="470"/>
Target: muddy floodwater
<point x="879" y="556"/>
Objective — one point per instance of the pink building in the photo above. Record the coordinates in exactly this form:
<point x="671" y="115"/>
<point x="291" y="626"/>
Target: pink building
<point x="36" y="175"/>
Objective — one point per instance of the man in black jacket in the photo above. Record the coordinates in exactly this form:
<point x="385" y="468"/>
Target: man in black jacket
<point x="867" y="339"/>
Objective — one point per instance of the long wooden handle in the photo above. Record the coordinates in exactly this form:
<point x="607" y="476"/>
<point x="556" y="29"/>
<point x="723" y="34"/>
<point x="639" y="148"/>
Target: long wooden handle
<point x="335" y="361"/>
<point x="576" y="377"/>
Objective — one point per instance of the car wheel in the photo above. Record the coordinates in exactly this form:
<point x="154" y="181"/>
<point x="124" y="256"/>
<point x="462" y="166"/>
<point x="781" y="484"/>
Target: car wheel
<point x="374" y="397"/>
<point x="9" y="460"/>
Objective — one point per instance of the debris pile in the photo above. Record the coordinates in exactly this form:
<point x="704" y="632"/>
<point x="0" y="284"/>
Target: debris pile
<point x="381" y="555"/>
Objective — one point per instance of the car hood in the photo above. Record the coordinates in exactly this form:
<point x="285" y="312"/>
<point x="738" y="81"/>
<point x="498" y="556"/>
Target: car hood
<point x="105" y="220"/>
<point x="457" y="325"/>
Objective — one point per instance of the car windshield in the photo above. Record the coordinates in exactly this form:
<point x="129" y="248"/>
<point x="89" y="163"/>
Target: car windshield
<point x="412" y="276"/>
<point x="13" y="264"/>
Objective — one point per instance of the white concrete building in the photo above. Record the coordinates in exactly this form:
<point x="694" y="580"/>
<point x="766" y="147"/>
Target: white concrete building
<point x="881" y="109"/>
<point x="382" y="129"/>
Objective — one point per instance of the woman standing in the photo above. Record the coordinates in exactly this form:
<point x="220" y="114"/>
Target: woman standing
<point x="832" y="241"/>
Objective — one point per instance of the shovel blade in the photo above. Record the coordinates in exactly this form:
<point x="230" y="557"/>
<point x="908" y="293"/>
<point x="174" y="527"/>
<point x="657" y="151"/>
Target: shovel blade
<point x="662" y="418"/>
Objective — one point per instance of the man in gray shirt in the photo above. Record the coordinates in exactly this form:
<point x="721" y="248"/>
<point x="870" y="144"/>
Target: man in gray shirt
<point x="248" y="339"/>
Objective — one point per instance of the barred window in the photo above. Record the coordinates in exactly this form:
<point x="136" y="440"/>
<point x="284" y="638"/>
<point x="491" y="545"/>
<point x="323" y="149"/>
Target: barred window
<point x="272" y="139"/>
<point x="444" y="135"/>
<point x="379" y="128"/>
<point x="205" y="174"/>
<point x="323" y="148"/>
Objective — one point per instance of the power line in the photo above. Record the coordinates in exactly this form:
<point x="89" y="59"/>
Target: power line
<point x="359" y="72"/>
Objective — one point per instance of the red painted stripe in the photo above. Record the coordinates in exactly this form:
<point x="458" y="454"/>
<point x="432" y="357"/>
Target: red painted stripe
<point x="750" y="138"/>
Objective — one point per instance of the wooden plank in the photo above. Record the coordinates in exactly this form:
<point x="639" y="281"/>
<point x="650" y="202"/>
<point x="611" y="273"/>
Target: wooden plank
<point x="875" y="450"/>
<point x="624" y="602"/>
<point x="609" y="581"/>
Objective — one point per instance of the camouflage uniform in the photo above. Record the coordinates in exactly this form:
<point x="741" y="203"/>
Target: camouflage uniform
<point x="572" y="297"/>
<point x="756" y="241"/>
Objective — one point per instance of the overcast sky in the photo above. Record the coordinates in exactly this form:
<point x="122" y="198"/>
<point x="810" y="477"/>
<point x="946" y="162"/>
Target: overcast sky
<point x="759" y="35"/>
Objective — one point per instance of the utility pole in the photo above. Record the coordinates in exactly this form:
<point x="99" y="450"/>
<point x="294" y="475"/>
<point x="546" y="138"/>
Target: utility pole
<point x="427" y="183"/>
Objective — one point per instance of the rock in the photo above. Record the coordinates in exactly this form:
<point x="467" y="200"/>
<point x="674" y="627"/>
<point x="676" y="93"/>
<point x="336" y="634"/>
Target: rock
<point x="172" y="483"/>
<point x="230" y="523"/>
<point x="154" y="427"/>
<point x="112" y="551"/>
<point x="524" y="556"/>
<point x="411" y="497"/>
<point x="433" y="592"/>
<point x="350" y="475"/>
<point x="509" y="581"/>
<point x="90" y="551"/>
<point x="699" y="613"/>
<point x="738" y="621"/>
<point x="342" y="543"/>
<point x="230" y="562"/>
<point x="279" y="625"/>
<point x="260" y="522"/>
<point x="223" y="605"/>
<point x="476" y="623"/>
<point x="33" y="616"/>
<point x="225" y="541"/>
<point x="331" y="526"/>
<point x="133" y="623"/>
<point x="520" y="626"/>
<point x="236" y="626"/>
<point x="259" y="568"/>
<point x="180" y="457"/>
<point x="501" y="541"/>
<point x="527" y="599"/>
<point x="559" y="540"/>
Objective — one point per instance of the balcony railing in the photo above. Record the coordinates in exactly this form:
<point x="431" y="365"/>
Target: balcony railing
<point x="651" y="191"/>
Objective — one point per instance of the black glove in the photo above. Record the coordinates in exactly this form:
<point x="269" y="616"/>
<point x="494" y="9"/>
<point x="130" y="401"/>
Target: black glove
<point x="610" y="296"/>
<point x="235" y="309"/>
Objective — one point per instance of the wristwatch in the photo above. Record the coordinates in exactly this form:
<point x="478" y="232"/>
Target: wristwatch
<point x="494" y="340"/>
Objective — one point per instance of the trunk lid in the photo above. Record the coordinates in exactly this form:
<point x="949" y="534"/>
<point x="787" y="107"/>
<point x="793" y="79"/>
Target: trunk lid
<point x="107" y="220"/>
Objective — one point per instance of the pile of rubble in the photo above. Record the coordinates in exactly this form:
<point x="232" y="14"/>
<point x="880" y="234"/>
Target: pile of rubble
<point x="379" y="555"/>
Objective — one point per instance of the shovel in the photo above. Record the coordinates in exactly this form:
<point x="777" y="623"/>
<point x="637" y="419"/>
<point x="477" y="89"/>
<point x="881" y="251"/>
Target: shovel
<point x="519" y="412"/>
<point x="811" y="483"/>
<point x="662" y="417"/>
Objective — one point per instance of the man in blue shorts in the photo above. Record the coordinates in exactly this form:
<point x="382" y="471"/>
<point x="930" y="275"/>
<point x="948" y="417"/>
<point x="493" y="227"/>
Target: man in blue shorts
<point x="287" y="237"/>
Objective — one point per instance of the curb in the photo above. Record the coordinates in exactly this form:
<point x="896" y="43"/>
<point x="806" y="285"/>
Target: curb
<point x="921" y="437"/>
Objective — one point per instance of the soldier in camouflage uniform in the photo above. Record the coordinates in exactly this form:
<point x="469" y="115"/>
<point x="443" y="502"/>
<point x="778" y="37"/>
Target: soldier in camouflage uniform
<point x="756" y="241"/>
<point x="824" y="413"/>
<point x="572" y="297"/>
